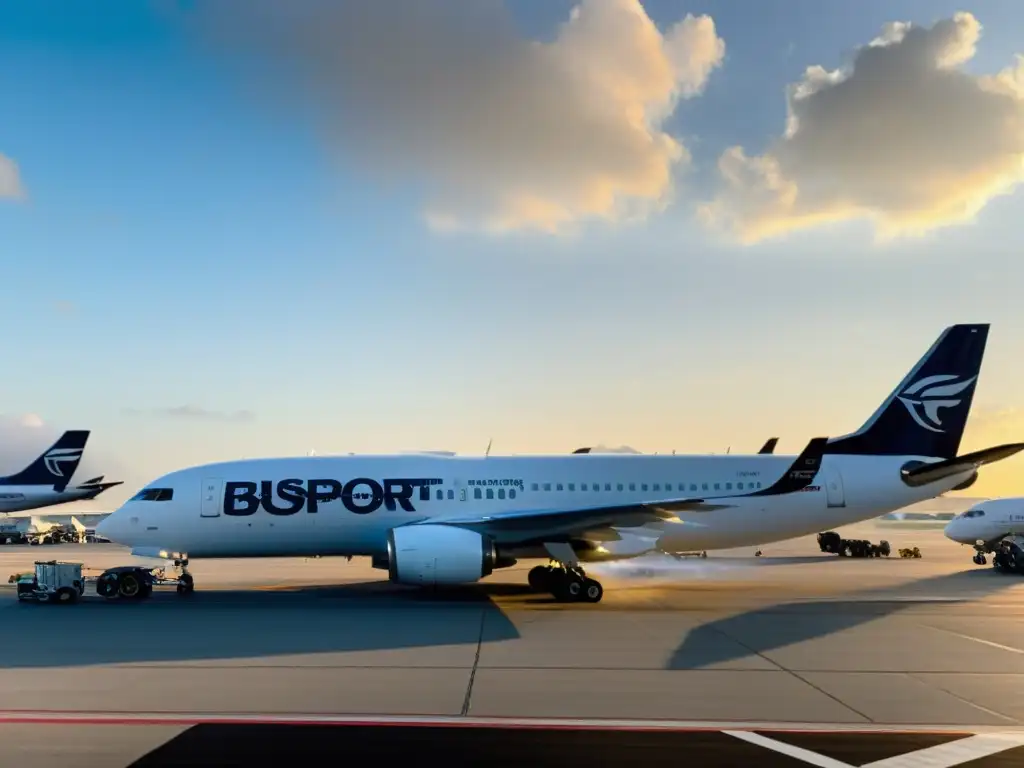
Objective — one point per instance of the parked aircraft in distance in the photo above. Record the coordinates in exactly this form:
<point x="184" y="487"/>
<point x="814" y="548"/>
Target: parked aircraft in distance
<point x="47" y="480"/>
<point x="985" y="525"/>
<point x="438" y="519"/>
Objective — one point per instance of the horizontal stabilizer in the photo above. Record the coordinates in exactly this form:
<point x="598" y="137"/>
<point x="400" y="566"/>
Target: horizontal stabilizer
<point x="95" y="489"/>
<point x="929" y="473"/>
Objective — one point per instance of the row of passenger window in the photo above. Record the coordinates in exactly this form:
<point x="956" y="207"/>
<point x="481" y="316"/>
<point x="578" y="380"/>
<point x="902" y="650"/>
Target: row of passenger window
<point x="655" y="487"/>
<point x="478" y="493"/>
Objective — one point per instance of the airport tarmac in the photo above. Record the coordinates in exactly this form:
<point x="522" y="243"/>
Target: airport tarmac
<point x="794" y="639"/>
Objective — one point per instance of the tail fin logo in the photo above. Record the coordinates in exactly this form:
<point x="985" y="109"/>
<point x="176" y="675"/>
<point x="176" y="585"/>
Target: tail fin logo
<point x="58" y="456"/>
<point x="926" y="396"/>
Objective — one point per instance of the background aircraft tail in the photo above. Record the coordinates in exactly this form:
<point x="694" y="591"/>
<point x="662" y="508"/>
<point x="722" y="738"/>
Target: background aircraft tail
<point x="56" y="465"/>
<point x="926" y="414"/>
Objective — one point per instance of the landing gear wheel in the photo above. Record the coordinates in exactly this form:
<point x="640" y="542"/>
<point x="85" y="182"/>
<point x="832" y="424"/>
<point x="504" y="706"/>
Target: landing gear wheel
<point x="569" y="588"/>
<point x="130" y="586"/>
<point x="186" y="586"/>
<point x="106" y="586"/>
<point x="592" y="591"/>
<point x="539" y="578"/>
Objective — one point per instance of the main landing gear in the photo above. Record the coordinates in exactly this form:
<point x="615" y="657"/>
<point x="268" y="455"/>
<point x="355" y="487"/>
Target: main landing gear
<point x="979" y="558"/>
<point x="568" y="584"/>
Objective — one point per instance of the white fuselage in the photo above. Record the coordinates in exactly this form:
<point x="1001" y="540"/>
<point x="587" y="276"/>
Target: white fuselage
<point x="988" y="521"/>
<point x="19" y="498"/>
<point x="194" y="521"/>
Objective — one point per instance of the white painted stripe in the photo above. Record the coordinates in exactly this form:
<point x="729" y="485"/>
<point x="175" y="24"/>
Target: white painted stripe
<point x="798" y="753"/>
<point x="953" y="753"/>
<point x="989" y="643"/>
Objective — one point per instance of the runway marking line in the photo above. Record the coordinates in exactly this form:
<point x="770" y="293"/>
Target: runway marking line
<point x="797" y="753"/>
<point x="946" y="755"/>
<point x="989" y="643"/>
<point x="954" y="752"/>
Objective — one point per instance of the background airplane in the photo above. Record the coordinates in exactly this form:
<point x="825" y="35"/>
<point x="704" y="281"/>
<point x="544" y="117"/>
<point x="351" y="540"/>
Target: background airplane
<point x="46" y="482"/>
<point x="987" y="524"/>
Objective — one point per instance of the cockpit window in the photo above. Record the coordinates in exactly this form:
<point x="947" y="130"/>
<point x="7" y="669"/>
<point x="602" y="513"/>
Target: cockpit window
<point x="974" y="513"/>
<point x="154" y="494"/>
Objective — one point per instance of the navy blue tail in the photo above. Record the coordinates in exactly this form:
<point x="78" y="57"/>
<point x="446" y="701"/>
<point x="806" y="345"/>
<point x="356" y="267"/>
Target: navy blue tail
<point x="926" y="414"/>
<point x="56" y="465"/>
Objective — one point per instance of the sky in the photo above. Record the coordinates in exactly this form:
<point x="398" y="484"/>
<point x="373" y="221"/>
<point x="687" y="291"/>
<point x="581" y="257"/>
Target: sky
<point x="249" y="229"/>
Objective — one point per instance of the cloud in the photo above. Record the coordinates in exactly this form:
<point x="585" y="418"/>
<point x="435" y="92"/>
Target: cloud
<point x="500" y="133"/>
<point x="903" y="137"/>
<point x="10" y="180"/>
<point x="30" y="420"/>
<point x="196" y="412"/>
<point x="987" y="427"/>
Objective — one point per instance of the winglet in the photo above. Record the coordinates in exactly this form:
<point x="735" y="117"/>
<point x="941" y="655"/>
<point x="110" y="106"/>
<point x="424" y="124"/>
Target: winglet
<point x="800" y="473"/>
<point x="769" y="445"/>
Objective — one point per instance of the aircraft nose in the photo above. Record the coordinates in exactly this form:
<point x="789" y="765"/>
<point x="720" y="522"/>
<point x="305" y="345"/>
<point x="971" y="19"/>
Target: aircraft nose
<point x="112" y="527"/>
<point x="953" y="530"/>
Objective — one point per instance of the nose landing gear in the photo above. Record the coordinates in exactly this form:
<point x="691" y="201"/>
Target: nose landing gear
<point x="186" y="584"/>
<point x="568" y="584"/>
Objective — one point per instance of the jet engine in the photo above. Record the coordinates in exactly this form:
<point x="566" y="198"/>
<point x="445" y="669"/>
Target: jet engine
<point x="438" y="554"/>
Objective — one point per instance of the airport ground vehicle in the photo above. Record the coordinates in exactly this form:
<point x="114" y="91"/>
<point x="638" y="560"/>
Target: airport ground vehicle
<point x="1009" y="555"/>
<point x="53" y="581"/>
<point x="830" y="541"/>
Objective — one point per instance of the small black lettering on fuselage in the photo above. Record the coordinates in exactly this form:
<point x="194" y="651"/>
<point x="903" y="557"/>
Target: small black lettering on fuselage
<point x="361" y="495"/>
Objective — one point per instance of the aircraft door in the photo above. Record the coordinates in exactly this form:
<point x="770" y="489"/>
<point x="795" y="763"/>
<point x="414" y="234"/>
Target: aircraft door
<point x="213" y="497"/>
<point x="834" y="488"/>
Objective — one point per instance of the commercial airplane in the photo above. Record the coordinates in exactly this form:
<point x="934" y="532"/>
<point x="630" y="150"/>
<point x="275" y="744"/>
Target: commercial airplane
<point x="45" y="482"/>
<point x="434" y="519"/>
<point x="985" y="525"/>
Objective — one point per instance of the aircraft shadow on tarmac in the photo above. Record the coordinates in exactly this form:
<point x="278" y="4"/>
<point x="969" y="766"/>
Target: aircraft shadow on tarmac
<point x="768" y="629"/>
<point x="247" y="624"/>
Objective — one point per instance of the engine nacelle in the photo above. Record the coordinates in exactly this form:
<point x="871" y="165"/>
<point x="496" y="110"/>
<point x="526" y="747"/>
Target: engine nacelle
<point x="438" y="554"/>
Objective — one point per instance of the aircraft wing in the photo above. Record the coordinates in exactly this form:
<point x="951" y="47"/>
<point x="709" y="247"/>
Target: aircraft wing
<point x="797" y="477"/>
